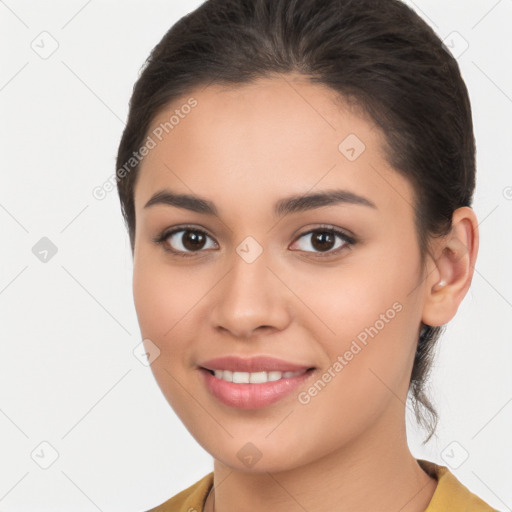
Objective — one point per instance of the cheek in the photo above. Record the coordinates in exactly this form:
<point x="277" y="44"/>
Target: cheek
<point x="366" y="377"/>
<point x="169" y="302"/>
<point x="342" y="302"/>
<point x="163" y="307"/>
<point x="364" y="314"/>
<point x="149" y="293"/>
<point x="163" y="296"/>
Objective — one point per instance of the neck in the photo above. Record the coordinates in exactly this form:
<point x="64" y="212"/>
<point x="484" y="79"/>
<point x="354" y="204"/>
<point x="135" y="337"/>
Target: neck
<point x="368" y="474"/>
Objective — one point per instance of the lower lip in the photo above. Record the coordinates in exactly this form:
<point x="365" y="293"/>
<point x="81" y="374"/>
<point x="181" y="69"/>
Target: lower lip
<point x="252" y="396"/>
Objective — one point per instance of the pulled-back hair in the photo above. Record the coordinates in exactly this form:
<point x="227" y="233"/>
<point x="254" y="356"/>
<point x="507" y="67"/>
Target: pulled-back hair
<point x="377" y="54"/>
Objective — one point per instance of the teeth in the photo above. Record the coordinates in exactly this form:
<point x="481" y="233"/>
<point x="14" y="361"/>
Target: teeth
<point x="255" y="377"/>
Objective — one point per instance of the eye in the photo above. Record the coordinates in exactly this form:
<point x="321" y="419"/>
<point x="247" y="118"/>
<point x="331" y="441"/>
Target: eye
<point x="324" y="240"/>
<point x="185" y="240"/>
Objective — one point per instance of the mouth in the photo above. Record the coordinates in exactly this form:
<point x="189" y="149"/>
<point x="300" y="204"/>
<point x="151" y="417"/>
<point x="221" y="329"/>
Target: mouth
<point x="255" y="389"/>
<point x="252" y="365"/>
<point x="260" y="377"/>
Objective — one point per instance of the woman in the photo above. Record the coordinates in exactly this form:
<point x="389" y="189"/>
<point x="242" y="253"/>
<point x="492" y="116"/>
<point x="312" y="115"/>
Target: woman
<point x="296" y="177"/>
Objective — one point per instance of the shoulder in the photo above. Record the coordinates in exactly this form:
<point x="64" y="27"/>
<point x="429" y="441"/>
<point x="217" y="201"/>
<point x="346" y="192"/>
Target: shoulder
<point x="450" y="493"/>
<point x="190" y="499"/>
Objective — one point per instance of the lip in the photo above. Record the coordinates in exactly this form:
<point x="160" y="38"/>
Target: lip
<point x="252" y="364"/>
<point x="252" y="396"/>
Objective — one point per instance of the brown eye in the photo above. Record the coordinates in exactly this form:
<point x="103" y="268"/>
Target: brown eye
<point x="193" y="240"/>
<point x="188" y="240"/>
<point x="323" y="240"/>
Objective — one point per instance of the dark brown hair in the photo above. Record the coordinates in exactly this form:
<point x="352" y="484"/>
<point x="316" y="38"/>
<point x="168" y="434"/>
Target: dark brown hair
<point x="377" y="54"/>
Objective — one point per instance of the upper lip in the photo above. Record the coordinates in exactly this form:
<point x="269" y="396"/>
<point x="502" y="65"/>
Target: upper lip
<point x="252" y="364"/>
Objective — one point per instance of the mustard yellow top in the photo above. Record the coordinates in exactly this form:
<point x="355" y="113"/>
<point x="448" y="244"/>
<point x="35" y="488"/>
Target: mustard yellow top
<point x="450" y="495"/>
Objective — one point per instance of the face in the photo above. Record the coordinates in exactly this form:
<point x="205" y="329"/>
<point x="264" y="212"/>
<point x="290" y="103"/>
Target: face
<point x="244" y="267"/>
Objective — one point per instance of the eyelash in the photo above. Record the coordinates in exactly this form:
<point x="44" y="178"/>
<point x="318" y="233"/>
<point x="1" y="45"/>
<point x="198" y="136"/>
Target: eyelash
<point x="161" y="239"/>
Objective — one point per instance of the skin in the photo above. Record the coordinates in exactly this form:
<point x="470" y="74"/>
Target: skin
<point x="245" y="148"/>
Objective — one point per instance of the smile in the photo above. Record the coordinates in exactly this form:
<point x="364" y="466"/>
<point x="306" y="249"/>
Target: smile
<point x="254" y="377"/>
<point x="253" y="390"/>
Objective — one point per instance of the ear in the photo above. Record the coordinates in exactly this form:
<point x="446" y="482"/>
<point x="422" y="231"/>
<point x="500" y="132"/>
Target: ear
<point x="455" y="256"/>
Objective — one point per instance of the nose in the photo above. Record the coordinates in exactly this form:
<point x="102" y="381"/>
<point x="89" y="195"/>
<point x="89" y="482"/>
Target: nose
<point x="250" y="300"/>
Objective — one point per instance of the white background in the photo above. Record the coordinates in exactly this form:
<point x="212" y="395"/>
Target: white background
<point x="68" y="375"/>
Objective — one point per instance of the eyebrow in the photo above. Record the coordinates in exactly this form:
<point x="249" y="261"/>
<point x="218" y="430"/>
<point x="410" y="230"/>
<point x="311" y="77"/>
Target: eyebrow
<point x="285" y="206"/>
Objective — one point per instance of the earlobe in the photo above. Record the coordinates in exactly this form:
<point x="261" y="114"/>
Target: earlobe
<point x="447" y="285"/>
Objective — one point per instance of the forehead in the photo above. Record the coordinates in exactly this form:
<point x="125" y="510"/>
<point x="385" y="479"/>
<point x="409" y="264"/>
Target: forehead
<point x="274" y="137"/>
